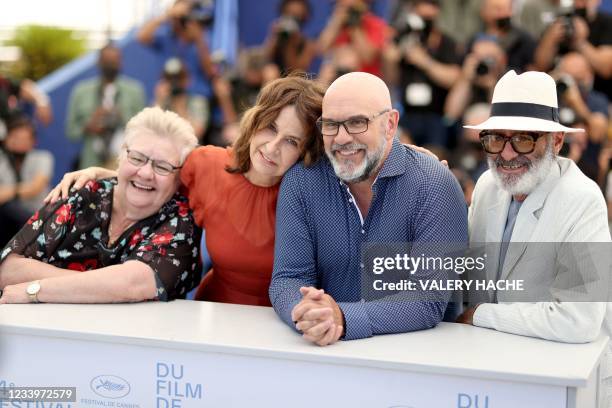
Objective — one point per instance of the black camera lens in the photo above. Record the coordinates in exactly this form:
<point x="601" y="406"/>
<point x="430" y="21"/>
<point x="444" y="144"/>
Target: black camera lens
<point x="354" y="17"/>
<point x="342" y="71"/>
<point x="485" y="66"/>
<point x="287" y="26"/>
<point x="563" y="84"/>
<point x="562" y="87"/>
<point x="482" y="69"/>
<point x="568" y="25"/>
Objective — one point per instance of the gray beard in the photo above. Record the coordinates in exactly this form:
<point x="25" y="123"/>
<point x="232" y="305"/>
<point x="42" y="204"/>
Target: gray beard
<point x="527" y="182"/>
<point x="350" y="173"/>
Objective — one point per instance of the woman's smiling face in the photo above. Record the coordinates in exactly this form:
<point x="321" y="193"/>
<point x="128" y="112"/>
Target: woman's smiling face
<point x="275" y="149"/>
<point x="141" y="190"/>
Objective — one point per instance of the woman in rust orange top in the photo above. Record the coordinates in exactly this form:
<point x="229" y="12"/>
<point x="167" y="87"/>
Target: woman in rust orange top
<point x="233" y="191"/>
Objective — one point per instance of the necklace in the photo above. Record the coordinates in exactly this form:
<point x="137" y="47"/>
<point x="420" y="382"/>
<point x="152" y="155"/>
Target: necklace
<point x="111" y="237"/>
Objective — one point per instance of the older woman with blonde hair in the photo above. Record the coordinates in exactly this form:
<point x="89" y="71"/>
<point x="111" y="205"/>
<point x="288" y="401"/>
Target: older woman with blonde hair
<point x="233" y="191"/>
<point x="125" y="239"/>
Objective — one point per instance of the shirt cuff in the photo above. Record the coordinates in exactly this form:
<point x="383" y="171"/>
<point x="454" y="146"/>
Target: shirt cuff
<point x="284" y="312"/>
<point x="357" y="320"/>
<point x="483" y="315"/>
<point x="287" y="315"/>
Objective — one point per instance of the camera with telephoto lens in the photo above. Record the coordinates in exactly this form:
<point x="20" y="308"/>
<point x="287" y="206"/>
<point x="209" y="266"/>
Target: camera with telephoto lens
<point x="340" y="70"/>
<point x="568" y="28"/>
<point x="174" y="73"/>
<point x="354" y="16"/>
<point x="201" y="12"/>
<point x="287" y="26"/>
<point x="567" y="115"/>
<point x="563" y="84"/>
<point x="485" y="66"/>
<point x="410" y="25"/>
<point x="567" y="11"/>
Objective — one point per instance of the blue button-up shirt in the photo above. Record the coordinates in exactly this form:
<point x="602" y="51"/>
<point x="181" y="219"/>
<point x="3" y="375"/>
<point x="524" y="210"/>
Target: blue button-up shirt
<point x="320" y="234"/>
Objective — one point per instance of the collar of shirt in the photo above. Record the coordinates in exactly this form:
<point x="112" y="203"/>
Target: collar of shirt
<point x="396" y="163"/>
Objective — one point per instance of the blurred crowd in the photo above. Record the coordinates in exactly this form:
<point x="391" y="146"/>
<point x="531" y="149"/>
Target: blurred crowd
<point x="441" y="58"/>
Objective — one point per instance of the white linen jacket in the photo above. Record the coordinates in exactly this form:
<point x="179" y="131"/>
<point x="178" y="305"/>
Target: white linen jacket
<point x="566" y="207"/>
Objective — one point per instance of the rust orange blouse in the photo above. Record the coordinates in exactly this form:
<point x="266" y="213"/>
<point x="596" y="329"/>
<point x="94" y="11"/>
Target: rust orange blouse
<point x="238" y="218"/>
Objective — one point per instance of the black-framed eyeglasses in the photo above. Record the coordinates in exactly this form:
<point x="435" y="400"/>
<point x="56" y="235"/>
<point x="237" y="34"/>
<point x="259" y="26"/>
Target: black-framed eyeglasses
<point x="353" y="125"/>
<point x="522" y="143"/>
<point x="161" y="167"/>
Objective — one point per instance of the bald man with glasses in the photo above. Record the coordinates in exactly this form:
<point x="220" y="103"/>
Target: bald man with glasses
<point x="368" y="190"/>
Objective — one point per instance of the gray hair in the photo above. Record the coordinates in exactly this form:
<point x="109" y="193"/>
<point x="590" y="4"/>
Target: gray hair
<point x="164" y="124"/>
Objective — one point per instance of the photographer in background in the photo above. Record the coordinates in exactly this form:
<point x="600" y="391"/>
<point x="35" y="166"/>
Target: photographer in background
<point x="352" y="24"/>
<point x="481" y="69"/>
<point x="517" y="43"/>
<point x="25" y="174"/>
<point x="100" y="107"/>
<point x="15" y="95"/>
<point x="172" y="93"/>
<point x="582" y="107"/>
<point x="341" y="60"/>
<point x="248" y="77"/>
<point x="468" y="156"/>
<point x="424" y="62"/>
<point x="581" y="27"/>
<point x="287" y="48"/>
<point x="181" y="32"/>
<point x="578" y="101"/>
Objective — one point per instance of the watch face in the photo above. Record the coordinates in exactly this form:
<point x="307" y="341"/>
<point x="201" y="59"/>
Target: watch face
<point x="33" y="288"/>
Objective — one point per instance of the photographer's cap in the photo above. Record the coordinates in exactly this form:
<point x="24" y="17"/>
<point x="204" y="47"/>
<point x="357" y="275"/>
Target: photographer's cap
<point x="525" y="102"/>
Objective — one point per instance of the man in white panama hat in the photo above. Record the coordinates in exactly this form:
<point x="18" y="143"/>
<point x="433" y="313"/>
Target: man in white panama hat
<point x="531" y="195"/>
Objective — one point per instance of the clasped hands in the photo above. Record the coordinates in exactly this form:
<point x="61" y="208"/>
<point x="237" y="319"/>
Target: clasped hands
<point x="318" y="317"/>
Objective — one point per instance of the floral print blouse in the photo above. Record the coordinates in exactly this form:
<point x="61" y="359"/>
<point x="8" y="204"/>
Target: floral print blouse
<point x="73" y="234"/>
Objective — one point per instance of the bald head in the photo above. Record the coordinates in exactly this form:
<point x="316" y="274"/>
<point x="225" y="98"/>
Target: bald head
<point x="362" y="104"/>
<point x="575" y="65"/>
<point x="357" y="91"/>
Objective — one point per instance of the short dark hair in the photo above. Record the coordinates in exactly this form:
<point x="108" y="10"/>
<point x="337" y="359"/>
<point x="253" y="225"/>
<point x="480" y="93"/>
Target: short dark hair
<point x="111" y="45"/>
<point x="305" y="3"/>
<point x="20" y="120"/>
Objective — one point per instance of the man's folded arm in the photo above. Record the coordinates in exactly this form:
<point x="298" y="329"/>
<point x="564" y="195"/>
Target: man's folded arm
<point x="567" y="322"/>
<point x="393" y="314"/>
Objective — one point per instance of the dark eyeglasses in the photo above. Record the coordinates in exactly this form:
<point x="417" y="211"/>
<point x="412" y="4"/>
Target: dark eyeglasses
<point x="522" y="143"/>
<point x="161" y="167"/>
<point x="353" y="125"/>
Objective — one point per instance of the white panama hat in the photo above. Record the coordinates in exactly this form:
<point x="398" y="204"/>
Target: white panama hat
<point x="525" y="102"/>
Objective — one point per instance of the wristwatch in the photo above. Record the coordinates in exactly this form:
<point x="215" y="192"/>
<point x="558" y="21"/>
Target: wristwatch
<point x="32" y="291"/>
